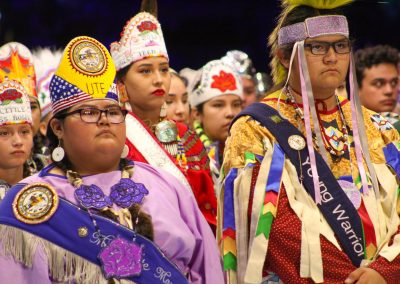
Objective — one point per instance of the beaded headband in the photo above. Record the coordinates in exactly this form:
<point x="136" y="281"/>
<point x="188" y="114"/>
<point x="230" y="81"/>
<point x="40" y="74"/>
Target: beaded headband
<point x="15" y="107"/>
<point x="217" y="79"/>
<point x="16" y="63"/>
<point x="86" y="72"/>
<point x="313" y="27"/>
<point x="141" y="38"/>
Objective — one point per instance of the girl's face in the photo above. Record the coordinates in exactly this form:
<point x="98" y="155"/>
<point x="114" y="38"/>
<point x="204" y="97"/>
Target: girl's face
<point x="147" y="82"/>
<point x="177" y="101"/>
<point x="217" y="115"/>
<point x="83" y="141"/>
<point x="16" y="143"/>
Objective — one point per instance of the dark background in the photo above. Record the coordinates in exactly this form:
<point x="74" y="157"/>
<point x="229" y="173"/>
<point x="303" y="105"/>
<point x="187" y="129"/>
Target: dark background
<point x="195" y="31"/>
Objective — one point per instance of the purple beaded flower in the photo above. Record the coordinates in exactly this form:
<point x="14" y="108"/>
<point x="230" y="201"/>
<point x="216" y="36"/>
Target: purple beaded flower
<point x="120" y="259"/>
<point x="127" y="192"/>
<point x="92" y="197"/>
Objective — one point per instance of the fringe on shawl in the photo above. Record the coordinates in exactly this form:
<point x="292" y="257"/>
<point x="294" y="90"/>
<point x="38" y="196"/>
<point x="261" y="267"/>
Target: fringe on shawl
<point x="64" y="266"/>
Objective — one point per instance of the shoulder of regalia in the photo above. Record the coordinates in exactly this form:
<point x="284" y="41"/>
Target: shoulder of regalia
<point x="379" y="127"/>
<point x="246" y="136"/>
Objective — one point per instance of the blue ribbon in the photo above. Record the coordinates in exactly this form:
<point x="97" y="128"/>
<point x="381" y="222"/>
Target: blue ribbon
<point x="62" y="230"/>
<point x="229" y="208"/>
<point x="392" y="156"/>
<point x="275" y="170"/>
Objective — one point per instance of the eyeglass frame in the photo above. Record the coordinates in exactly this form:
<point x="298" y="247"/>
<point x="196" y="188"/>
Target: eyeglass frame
<point x="106" y="111"/>
<point x="328" y="46"/>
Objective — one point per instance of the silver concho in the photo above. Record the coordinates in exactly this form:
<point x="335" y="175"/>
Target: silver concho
<point x="166" y="131"/>
<point x="296" y="142"/>
<point x="35" y="203"/>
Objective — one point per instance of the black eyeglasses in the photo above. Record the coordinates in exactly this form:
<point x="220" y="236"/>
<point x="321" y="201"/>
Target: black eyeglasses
<point x="93" y="115"/>
<point x="322" y="47"/>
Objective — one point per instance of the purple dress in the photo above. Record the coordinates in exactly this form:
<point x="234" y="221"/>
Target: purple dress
<point x="180" y="230"/>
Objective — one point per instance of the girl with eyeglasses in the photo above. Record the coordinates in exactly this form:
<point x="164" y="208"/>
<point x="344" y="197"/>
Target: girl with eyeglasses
<point x="92" y="216"/>
<point x="311" y="178"/>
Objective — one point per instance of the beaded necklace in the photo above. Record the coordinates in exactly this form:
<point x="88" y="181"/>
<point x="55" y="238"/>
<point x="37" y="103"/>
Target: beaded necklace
<point x="344" y="129"/>
<point x="125" y="193"/>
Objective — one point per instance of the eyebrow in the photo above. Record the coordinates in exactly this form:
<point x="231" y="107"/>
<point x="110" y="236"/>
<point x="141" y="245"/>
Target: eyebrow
<point x="384" y="79"/>
<point x="151" y="65"/>
<point x="183" y="95"/>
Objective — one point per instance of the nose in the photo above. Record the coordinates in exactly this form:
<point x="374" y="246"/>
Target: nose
<point x="157" y="80"/>
<point x="103" y="119"/>
<point x="330" y="56"/>
<point x="229" y="112"/>
<point x="17" y="140"/>
<point x="180" y="108"/>
<point x="389" y="89"/>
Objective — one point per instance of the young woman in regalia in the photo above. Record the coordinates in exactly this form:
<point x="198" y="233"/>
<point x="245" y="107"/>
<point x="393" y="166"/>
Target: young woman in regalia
<point x="144" y="80"/>
<point x="92" y="216"/>
<point x="310" y="186"/>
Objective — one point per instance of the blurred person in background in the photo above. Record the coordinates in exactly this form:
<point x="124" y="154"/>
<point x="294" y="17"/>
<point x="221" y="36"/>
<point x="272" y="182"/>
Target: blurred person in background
<point x="378" y="80"/>
<point x="191" y="76"/>
<point x="16" y="134"/>
<point x="244" y="66"/>
<point x="46" y="62"/>
<point x="217" y="98"/>
<point x="16" y="63"/>
<point x="263" y="84"/>
<point x="177" y="99"/>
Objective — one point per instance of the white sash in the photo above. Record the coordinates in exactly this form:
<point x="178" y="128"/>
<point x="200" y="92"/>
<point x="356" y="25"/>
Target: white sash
<point x="138" y="135"/>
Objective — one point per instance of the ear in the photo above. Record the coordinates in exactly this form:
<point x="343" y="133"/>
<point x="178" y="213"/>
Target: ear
<point x="196" y="115"/>
<point x="57" y="127"/>
<point x="43" y="128"/>
<point x="282" y="60"/>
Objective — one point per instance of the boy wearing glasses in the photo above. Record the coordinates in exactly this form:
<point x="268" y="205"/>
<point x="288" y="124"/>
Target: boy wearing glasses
<point x="308" y="195"/>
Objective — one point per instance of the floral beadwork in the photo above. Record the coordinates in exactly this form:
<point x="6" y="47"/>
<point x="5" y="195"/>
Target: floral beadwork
<point x="127" y="192"/>
<point x="147" y="26"/>
<point x="224" y="81"/>
<point x="121" y="259"/>
<point x="92" y="197"/>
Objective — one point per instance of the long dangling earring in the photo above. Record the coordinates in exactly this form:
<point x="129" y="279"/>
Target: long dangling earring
<point x="58" y="153"/>
<point x="163" y="111"/>
<point x="125" y="152"/>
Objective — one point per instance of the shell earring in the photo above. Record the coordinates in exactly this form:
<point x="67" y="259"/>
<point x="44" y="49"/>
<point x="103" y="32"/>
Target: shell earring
<point x="58" y="153"/>
<point x="125" y="152"/>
